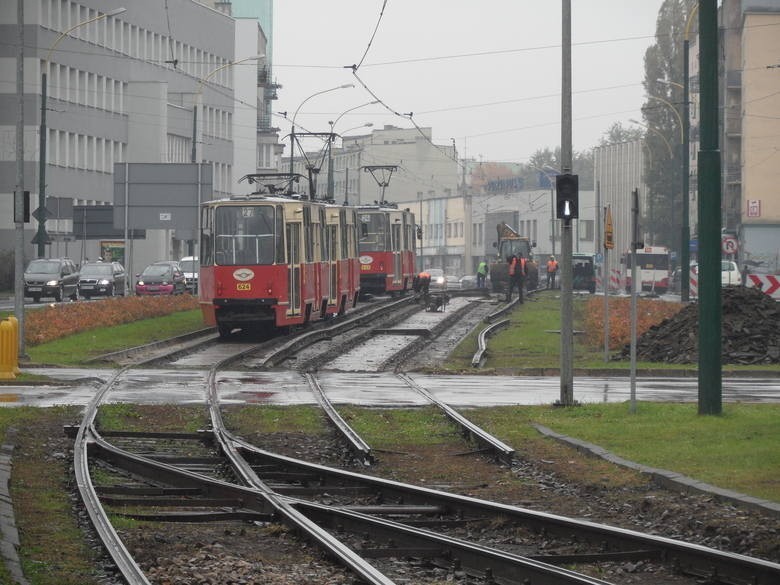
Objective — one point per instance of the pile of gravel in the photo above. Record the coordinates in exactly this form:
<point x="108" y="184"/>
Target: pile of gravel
<point x="750" y="332"/>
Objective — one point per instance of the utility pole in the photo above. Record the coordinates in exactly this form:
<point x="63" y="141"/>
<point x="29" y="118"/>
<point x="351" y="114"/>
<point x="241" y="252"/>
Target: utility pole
<point x="567" y="301"/>
<point x="19" y="193"/>
<point x="710" y="375"/>
<point x="41" y="238"/>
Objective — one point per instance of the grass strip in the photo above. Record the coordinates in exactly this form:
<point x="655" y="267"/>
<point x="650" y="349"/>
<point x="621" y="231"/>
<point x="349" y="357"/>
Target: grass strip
<point x="76" y="349"/>
<point x="532" y="341"/>
<point x="53" y="549"/>
<point x="736" y="450"/>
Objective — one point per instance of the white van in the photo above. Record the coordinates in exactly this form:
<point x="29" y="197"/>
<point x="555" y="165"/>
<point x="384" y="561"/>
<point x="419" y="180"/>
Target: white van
<point x="190" y="266"/>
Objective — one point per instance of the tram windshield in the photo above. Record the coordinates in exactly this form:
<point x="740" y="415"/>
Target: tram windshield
<point x="246" y="235"/>
<point x="373" y="232"/>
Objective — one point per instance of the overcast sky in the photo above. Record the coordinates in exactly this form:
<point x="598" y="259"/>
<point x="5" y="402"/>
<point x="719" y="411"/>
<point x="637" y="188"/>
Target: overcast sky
<point x="484" y="73"/>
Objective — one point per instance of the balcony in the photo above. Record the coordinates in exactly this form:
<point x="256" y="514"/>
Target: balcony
<point x="733" y="173"/>
<point x="734" y="79"/>
<point x="733" y="124"/>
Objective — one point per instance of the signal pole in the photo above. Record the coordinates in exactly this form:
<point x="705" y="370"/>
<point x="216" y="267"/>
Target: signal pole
<point x="567" y="302"/>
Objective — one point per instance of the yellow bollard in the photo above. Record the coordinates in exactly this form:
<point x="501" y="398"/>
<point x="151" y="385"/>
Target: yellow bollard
<point x="8" y="351"/>
<point x="15" y="323"/>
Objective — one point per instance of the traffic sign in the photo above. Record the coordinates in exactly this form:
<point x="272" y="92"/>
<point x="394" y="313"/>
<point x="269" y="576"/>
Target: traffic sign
<point x="41" y="237"/>
<point x="729" y="245"/>
<point x="42" y="214"/>
<point x="609" y="232"/>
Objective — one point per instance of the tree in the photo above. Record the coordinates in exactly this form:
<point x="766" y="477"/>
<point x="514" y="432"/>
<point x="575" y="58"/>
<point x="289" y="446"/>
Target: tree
<point x="662" y="112"/>
<point x="545" y="162"/>
<point x="618" y="133"/>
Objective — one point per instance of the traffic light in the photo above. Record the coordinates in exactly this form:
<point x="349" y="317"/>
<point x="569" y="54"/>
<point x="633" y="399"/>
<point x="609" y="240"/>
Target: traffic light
<point x="567" y="194"/>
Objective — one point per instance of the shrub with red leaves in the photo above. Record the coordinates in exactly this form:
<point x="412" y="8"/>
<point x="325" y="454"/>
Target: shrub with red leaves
<point x="648" y="313"/>
<point x="63" y="319"/>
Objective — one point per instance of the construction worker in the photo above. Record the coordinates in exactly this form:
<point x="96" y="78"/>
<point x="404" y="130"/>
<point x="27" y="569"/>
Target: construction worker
<point x="422" y="282"/>
<point x="482" y="272"/>
<point x="552" y="270"/>
<point x="516" y="276"/>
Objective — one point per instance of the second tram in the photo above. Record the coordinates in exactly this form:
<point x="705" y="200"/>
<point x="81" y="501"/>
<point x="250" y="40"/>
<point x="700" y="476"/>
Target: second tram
<point x="387" y="248"/>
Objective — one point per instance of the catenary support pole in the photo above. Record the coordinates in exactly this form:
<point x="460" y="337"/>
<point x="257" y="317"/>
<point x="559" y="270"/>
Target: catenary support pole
<point x="710" y="375"/>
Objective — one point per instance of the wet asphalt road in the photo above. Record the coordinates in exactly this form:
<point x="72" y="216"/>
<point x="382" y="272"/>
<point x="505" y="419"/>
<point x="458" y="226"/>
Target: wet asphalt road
<point x="162" y="386"/>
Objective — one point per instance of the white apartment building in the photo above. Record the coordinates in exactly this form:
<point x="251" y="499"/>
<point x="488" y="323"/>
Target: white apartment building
<point x="134" y="87"/>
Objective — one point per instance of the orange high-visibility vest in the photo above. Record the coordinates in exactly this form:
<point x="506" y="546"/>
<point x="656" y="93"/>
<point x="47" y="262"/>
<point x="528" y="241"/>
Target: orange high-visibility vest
<point x="552" y="266"/>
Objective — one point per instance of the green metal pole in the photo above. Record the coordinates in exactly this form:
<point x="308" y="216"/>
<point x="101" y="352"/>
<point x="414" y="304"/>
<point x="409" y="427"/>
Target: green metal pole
<point x="710" y="375"/>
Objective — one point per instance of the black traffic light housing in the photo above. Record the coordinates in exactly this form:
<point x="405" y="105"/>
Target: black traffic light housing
<point x="567" y="196"/>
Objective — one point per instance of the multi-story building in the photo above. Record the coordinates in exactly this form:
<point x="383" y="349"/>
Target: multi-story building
<point x="394" y="162"/>
<point x="134" y="87"/>
<point x="749" y="95"/>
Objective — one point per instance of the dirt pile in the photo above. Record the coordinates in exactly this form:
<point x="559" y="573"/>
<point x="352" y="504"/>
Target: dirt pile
<point x="750" y="332"/>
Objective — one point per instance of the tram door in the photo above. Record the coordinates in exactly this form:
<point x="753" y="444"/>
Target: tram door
<point x="335" y="247"/>
<point x="396" y="247"/>
<point x="294" y="263"/>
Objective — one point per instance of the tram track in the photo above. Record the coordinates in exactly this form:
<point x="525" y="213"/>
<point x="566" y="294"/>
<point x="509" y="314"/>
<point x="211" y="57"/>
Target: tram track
<point x="320" y="503"/>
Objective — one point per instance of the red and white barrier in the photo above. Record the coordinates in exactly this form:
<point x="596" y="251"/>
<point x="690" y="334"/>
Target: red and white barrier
<point x="768" y="283"/>
<point x="615" y="284"/>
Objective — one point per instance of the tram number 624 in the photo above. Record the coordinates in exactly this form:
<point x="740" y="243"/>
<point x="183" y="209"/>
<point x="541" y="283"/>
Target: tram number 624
<point x="243" y="286"/>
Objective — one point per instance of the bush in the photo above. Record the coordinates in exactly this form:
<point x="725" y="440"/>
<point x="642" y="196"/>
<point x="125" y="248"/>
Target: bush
<point x="648" y="313"/>
<point x="63" y="319"/>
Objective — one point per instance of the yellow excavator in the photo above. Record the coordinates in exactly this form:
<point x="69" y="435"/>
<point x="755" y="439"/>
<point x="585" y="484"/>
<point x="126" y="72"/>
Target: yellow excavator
<point x="511" y="243"/>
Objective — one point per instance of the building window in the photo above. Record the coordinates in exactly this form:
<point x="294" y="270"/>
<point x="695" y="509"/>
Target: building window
<point x="585" y="229"/>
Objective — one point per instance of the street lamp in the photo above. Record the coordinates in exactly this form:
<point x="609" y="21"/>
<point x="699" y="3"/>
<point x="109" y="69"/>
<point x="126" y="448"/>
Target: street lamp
<point x="40" y="236"/>
<point x="199" y="100"/>
<point x="685" y="251"/>
<point x="292" y="126"/>
<point x="346" y="168"/>
<point x="656" y="131"/>
<point x="331" y="138"/>
<point x="685" y="236"/>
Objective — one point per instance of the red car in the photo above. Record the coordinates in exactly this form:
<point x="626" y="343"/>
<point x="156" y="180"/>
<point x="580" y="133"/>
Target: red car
<point x="162" y="278"/>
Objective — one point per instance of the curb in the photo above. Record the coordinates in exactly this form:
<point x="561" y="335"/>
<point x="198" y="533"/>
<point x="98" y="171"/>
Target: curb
<point x="668" y="479"/>
<point x="9" y="535"/>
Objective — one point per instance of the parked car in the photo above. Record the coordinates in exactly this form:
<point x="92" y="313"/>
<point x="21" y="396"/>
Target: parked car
<point x="190" y="266"/>
<point x="438" y="280"/>
<point x="468" y="281"/>
<point x="452" y="281"/>
<point x="51" y="277"/>
<point x="160" y="278"/>
<point x="729" y="273"/>
<point x="102" y="279"/>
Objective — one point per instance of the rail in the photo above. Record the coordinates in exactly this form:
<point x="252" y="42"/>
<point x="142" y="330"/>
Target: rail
<point x="503" y="451"/>
<point x="479" y="355"/>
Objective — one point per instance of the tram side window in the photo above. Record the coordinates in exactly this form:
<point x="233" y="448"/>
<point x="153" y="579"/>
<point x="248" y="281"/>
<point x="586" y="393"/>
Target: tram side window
<point x="343" y="235"/>
<point x="206" y="238"/>
<point x="245" y="235"/>
<point x="373" y="232"/>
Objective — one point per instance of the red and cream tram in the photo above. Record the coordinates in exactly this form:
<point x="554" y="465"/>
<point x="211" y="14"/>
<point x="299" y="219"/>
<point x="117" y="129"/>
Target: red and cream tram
<point x="270" y="261"/>
<point x="387" y="249"/>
